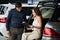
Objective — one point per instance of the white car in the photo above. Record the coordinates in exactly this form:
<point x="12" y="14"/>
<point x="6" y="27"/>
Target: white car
<point x="4" y="9"/>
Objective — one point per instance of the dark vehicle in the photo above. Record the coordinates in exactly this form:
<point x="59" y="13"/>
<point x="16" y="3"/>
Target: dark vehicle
<point x="52" y="28"/>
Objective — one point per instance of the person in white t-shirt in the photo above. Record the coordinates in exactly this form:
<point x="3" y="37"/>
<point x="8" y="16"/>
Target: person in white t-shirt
<point x="36" y="26"/>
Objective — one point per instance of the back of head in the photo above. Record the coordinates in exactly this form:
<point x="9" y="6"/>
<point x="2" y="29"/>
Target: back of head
<point x="18" y="4"/>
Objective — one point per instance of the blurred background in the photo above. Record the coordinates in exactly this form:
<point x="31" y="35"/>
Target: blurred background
<point x="46" y="7"/>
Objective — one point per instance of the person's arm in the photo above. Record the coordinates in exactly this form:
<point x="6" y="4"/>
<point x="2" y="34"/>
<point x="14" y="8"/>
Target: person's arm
<point x="8" y="21"/>
<point x="24" y="16"/>
<point x="29" y="28"/>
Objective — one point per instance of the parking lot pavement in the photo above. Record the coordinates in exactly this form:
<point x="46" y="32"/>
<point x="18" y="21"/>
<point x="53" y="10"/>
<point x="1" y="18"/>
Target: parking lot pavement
<point x="3" y="38"/>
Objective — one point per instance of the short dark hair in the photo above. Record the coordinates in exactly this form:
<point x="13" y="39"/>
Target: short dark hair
<point x="18" y="4"/>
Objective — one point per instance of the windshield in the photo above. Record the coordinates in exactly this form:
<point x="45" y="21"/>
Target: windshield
<point x="46" y="12"/>
<point x="47" y="8"/>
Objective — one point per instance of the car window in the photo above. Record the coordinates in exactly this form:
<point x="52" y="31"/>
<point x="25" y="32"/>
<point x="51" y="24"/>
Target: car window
<point x="3" y="9"/>
<point x="58" y="18"/>
<point x="47" y="12"/>
<point x="56" y="15"/>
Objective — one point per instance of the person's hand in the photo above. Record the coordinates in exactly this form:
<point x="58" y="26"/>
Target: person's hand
<point x="8" y="33"/>
<point x="31" y="26"/>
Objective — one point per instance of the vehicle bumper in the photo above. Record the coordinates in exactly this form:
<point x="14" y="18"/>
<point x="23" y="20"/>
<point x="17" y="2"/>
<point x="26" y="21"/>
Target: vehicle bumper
<point x="48" y="38"/>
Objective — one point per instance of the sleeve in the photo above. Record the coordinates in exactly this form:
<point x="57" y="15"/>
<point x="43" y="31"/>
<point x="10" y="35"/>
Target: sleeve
<point x="24" y="16"/>
<point x="8" y="20"/>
